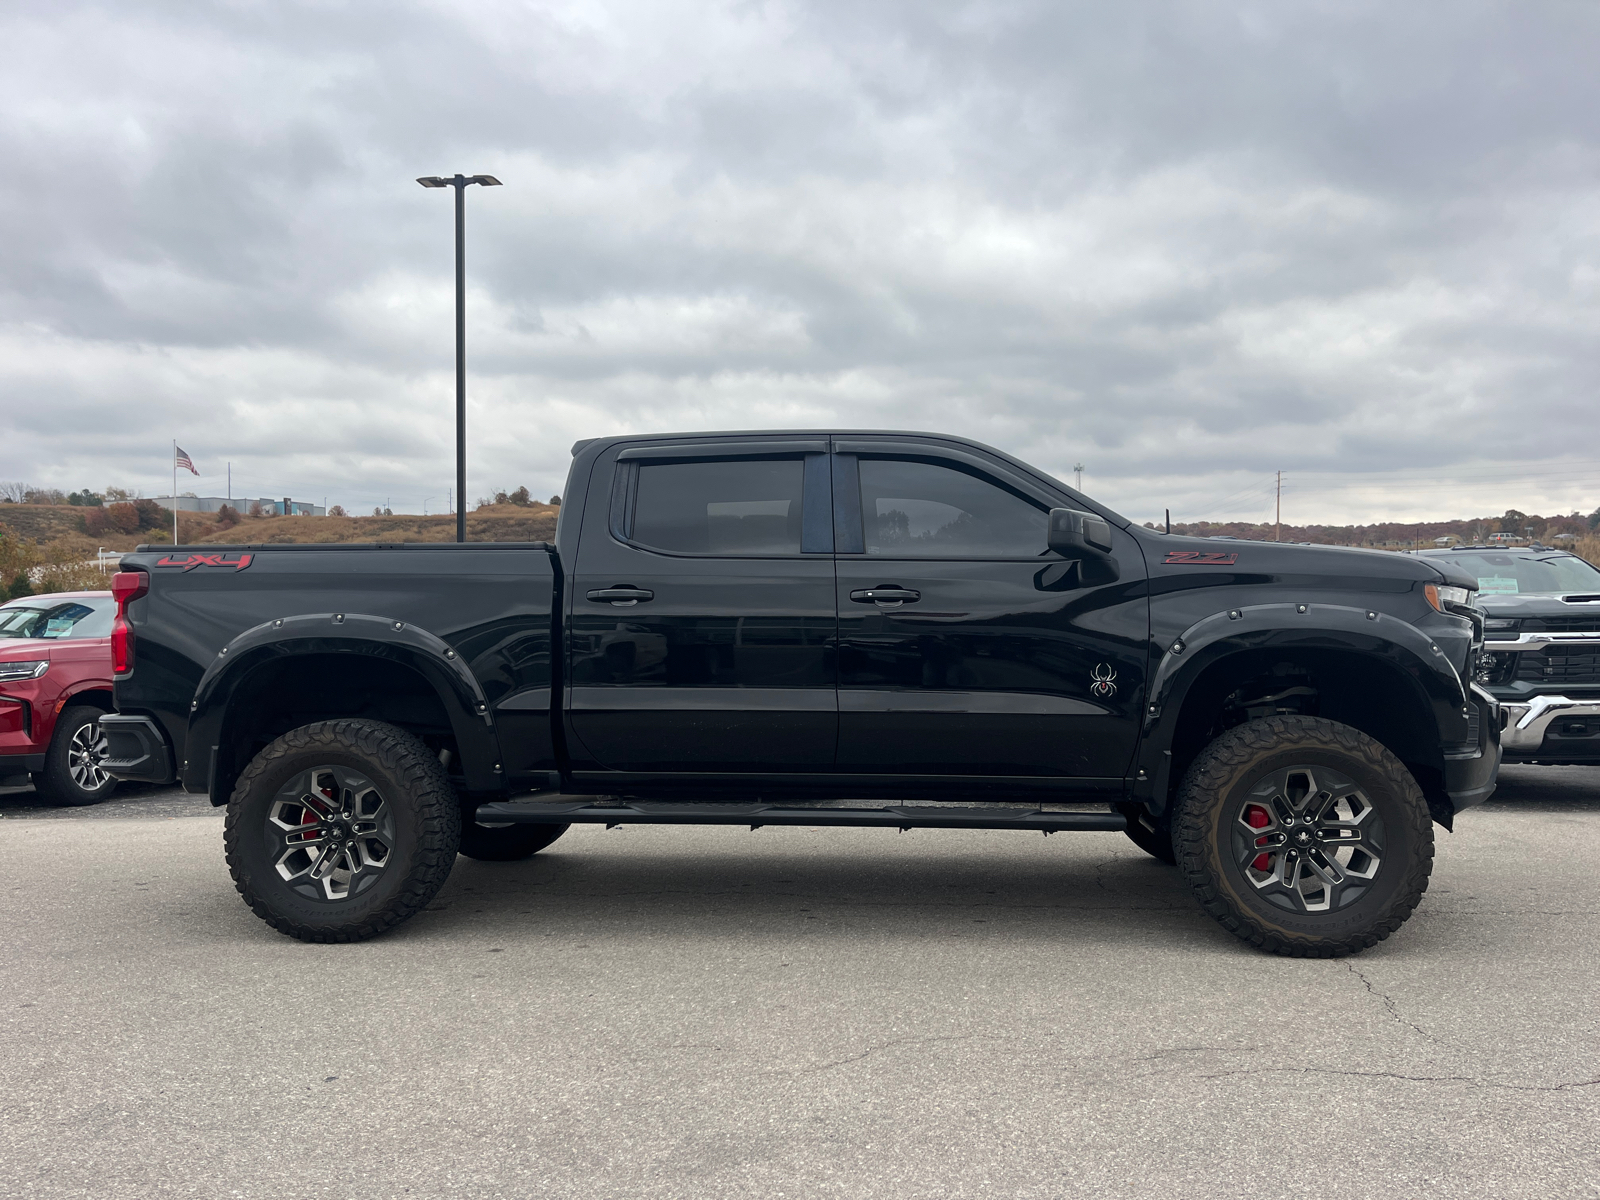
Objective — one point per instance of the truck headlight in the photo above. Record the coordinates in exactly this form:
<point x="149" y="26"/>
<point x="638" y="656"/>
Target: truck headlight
<point x="31" y="669"/>
<point x="1440" y="595"/>
<point x="1501" y="625"/>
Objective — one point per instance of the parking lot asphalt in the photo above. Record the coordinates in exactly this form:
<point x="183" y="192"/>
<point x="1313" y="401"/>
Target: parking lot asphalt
<point x="679" y="1012"/>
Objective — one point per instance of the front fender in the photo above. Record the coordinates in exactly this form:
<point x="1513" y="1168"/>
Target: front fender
<point x="1308" y="626"/>
<point x="429" y="655"/>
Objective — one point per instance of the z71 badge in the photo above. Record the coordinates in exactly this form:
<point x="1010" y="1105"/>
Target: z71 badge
<point x="190" y="561"/>
<point x="1199" y="558"/>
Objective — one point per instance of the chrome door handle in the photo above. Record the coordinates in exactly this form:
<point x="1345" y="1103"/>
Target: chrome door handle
<point x="621" y="596"/>
<point x="888" y="596"/>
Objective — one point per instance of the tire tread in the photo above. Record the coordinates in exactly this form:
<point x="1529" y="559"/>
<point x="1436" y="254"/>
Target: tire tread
<point x="1221" y="764"/>
<point x="424" y="787"/>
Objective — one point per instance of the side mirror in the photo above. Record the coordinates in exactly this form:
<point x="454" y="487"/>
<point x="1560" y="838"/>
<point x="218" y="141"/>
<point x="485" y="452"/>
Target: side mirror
<point x="1079" y="535"/>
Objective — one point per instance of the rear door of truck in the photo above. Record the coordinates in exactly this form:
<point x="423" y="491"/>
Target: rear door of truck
<point x="702" y="615"/>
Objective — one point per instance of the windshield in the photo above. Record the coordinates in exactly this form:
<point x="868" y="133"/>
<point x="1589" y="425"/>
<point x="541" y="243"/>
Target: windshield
<point x="1501" y="574"/>
<point x="86" y="617"/>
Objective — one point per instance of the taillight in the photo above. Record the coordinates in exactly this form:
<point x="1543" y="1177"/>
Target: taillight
<point x="126" y="587"/>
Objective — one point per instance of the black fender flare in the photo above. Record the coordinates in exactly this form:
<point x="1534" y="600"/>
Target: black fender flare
<point x="399" y="641"/>
<point x="1335" y="627"/>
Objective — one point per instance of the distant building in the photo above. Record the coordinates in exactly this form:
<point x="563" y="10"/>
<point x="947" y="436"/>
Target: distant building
<point x="241" y="504"/>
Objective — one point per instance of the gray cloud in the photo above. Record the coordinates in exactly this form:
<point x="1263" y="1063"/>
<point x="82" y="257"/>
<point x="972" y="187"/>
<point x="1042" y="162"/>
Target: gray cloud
<point x="1186" y="244"/>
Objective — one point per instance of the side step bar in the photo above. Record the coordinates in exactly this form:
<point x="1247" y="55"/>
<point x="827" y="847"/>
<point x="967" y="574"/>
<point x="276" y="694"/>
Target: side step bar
<point x="914" y="816"/>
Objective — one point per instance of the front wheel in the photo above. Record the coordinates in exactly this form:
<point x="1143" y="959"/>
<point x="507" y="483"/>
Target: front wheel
<point x="340" y="830"/>
<point x="1303" y="836"/>
<point x="72" y="774"/>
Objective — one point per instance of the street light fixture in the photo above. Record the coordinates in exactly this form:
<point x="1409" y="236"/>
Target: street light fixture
<point x="460" y="183"/>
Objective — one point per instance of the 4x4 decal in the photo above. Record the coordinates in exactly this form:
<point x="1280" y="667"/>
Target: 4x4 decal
<point x="191" y="561"/>
<point x="1199" y="558"/>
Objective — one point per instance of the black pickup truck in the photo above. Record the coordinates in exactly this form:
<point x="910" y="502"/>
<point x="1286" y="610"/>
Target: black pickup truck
<point x="876" y="629"/>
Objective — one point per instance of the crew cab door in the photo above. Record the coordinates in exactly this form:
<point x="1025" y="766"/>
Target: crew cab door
<point x="966" y="647"/>
<point x="702" y="618"/>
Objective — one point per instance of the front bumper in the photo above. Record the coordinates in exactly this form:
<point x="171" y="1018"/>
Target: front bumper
<point x="1471" y="769"/>
<point x="16" y="770"/>
<point x="135" y="748"/>
<point x="1528" y="727"/>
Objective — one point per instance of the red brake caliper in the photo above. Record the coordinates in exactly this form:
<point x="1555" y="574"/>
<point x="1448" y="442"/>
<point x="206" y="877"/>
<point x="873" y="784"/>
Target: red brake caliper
<point x="1257" y="818"/>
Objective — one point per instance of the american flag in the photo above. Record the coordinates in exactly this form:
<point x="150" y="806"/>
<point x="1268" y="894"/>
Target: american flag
<point x="180" y="459"/>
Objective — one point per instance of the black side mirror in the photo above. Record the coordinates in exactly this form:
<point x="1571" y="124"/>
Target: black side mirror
<point x="1079" y="535"/>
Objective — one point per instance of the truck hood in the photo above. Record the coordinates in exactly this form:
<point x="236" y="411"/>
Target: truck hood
<point x="1295" y="559"/>
<point x="1541" y="604"/>
<point x="12" y="649"/>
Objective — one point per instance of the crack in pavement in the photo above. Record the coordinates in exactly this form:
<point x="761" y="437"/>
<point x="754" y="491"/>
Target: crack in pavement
<point x="1469" y="1079"/>
<point x="871" y="1050"/>
<point x="1388" y="1002"/>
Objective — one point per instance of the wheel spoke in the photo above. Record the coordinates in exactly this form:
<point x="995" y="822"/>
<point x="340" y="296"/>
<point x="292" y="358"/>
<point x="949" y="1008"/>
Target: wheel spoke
<point x="1325" y="867"/>
<point x="1307" y="838"/>
<point x="333" y="830"/>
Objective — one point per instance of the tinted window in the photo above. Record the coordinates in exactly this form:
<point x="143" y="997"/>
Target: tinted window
<point x="86" y="618"/>
<point x="1501" y="574"/>
<point x="921" y="508"/>
<point x="726" y="506"/>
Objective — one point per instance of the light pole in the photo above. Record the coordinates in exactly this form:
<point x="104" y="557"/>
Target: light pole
<point x="1078" y="467"/>
<point x="460" y="183"/>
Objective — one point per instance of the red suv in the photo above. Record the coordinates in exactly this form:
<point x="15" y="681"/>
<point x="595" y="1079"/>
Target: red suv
<point x="55" y="683"/>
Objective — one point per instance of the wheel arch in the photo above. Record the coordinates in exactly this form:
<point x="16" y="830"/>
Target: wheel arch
<point x="1368" y="670"/>
<point x="292" y="671"/>
<point x="96" y="695"/>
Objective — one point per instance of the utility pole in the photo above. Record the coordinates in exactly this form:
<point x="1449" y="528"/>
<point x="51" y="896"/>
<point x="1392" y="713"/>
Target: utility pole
<point x="460" y="183"/>
<point x="1278" y="535"/>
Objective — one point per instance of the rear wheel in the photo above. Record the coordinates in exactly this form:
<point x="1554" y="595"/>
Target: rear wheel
<point x="72" y="774"/>
<point x="506" y="843"/>
<point x="1303" y="836"/>
<point x="340" y="830"/>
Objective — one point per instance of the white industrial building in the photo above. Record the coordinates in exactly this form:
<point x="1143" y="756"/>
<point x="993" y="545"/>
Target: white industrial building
<point x="210" y="504"/>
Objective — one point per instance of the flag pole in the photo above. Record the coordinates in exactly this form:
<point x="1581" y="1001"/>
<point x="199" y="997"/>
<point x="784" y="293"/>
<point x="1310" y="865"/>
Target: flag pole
<point x="174" y="491"/>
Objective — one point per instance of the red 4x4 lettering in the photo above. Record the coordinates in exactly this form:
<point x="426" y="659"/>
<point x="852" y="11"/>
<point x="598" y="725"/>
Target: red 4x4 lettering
<point x="190" y="562"/>
<point x="1200" y="558"/>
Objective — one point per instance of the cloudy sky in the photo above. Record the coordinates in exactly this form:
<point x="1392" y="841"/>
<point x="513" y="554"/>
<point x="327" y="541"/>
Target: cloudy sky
<point x="1185" y="244"/>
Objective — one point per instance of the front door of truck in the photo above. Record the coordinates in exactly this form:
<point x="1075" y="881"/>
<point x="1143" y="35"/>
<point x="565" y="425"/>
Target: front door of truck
<point x="702" y="611"/>
<point x="967" y="648"/>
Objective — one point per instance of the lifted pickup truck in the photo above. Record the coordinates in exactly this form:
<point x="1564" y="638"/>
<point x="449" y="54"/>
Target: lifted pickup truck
<point x="878" y="629"/>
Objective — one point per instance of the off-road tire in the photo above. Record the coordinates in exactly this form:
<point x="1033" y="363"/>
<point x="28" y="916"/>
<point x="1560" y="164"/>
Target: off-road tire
<point x="1153" y="835"/>
<point x="55" y="784"/>
<point x="506" y="843"/>
<point x="1215" y="792"/>
<point x="426" y="829"/>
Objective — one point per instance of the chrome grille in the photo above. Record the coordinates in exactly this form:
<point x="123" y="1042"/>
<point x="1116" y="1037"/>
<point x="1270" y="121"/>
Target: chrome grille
<point x="1561" y="624"/>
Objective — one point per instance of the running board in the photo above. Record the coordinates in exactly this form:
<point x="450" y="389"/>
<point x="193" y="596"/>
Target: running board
<point x="915" y="816"/>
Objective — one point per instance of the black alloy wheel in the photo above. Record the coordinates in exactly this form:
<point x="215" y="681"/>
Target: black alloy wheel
<point x="1303" y="836"/>
<point x="72" y="775"/>
<point x="341" y="829"/>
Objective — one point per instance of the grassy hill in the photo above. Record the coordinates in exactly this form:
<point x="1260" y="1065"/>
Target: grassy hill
<point x="60" y="526"/>
<point x="501" y="523"/>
